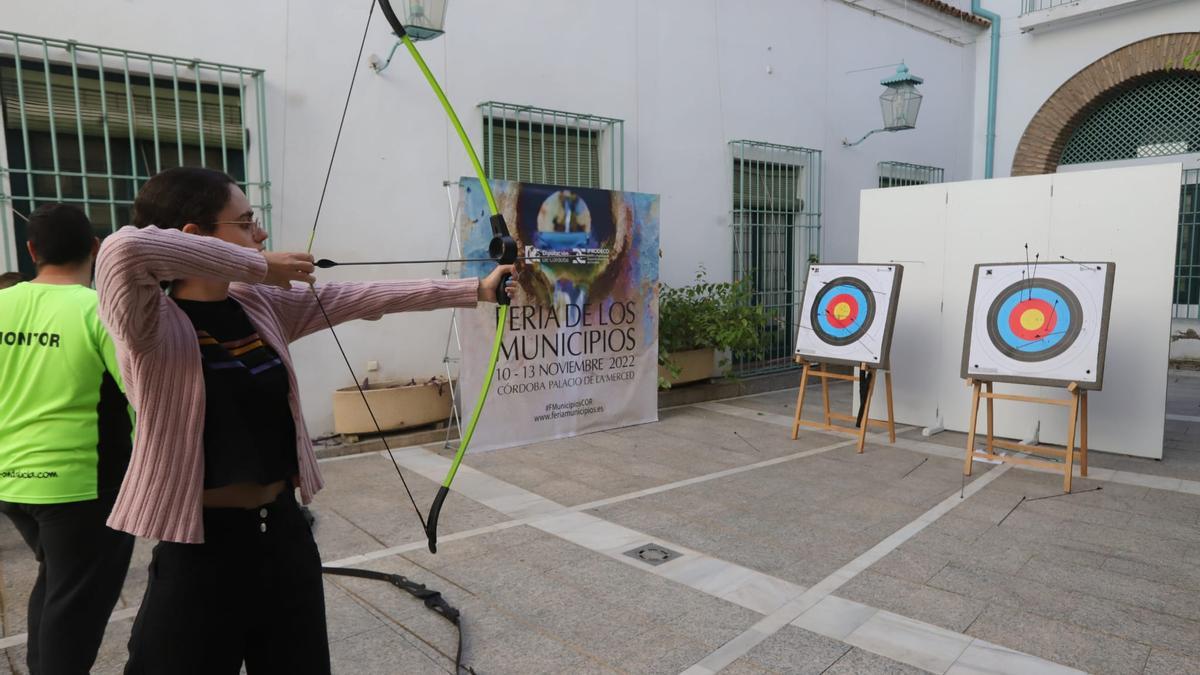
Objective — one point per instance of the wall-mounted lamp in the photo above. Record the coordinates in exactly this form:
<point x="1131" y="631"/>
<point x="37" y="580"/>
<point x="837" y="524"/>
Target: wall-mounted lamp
<point x="900" y="103"/>
<point x="423" y="20"/>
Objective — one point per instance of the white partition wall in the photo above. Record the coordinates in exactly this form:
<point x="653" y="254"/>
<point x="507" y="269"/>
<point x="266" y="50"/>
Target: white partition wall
<point x="921" y="216"/>
<point x="1127" y="216"/>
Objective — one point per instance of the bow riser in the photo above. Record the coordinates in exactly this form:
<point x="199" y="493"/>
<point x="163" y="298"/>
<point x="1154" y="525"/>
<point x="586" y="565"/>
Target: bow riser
<point x="502" y="249"/>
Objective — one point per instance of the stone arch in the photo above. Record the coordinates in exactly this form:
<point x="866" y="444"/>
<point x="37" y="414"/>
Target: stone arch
<point x="1042" y="144"/>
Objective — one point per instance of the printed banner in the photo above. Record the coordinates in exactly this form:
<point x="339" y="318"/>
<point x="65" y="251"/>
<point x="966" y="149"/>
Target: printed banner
<point x="580" y="348"/>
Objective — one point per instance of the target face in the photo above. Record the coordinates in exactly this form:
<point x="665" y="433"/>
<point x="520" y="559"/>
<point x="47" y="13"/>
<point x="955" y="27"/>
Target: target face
<point x="843" y="311"/>
<point x="847" y="314"/>
<point x="1047" y="326"/>
<point x="1034" y="320"/>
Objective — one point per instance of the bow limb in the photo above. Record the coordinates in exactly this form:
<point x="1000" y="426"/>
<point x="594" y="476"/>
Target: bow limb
<point x="502" y="249"/>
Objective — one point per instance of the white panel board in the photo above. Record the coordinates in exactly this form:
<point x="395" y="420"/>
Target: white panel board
<point x="848" y="313"/>
<point x="1128" y="216"/>
<point x="986" y="221"/>
<point x="919" y="214"/>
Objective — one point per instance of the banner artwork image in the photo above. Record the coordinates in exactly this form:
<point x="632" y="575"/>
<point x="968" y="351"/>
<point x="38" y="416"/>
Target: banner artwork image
<point x="580" y="351"/>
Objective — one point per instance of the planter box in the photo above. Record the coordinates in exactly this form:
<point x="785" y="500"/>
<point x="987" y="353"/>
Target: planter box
<point x="397" y="405"/>
<point x="694" y="365"/>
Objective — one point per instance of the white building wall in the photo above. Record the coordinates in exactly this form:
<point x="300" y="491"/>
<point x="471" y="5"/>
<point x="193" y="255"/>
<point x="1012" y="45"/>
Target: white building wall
<point x="686" y="76"/>
<point x="1035" y="64"/>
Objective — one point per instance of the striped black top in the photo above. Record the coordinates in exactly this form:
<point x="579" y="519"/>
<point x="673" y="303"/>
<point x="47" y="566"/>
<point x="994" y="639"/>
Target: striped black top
<point x="249" y="433"/>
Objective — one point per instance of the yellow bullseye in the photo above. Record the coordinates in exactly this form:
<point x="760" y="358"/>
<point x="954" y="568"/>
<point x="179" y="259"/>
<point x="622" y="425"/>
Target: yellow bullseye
<point x="841" y="311"/>
<point x="1032" y="319"/>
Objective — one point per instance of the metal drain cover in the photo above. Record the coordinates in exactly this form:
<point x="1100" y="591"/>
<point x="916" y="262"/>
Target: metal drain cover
<point x="653" y="554"/>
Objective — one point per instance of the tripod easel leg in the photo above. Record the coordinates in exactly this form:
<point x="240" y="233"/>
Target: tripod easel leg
<point x="1069" y="460"/>
<point x="991" y="425"/>
<point x="887" y="382"/>
<point x="1083" y="424"/>
<point x="866" y="412"/>
<point x="800" y="402"/>
<point x="825" y="393"/>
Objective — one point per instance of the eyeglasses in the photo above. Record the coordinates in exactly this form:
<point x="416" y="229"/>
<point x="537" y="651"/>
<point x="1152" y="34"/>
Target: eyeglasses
<point x="247" y="225"/>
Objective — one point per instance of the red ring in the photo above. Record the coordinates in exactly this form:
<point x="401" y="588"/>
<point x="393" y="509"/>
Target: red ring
<point x="1035" y="304"/>
<point x="837" y="300"/>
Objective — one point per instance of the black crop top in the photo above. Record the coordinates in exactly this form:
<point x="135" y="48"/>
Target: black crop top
<point x="249" y="432"/>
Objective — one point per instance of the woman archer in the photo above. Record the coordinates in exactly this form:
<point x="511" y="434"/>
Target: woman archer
<point x="221" y="444"/>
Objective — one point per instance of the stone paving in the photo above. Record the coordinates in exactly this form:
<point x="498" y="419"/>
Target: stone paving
<point x="797" y="556"/>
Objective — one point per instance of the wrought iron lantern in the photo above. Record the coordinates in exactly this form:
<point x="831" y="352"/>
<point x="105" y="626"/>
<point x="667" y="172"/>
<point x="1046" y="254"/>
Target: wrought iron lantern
<point x="424" y="19"/>
<point x="900" y="103"/>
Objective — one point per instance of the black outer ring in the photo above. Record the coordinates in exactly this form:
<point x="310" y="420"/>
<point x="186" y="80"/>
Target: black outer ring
<point x="1059" y="347"/>
<point x="838" y="340"/>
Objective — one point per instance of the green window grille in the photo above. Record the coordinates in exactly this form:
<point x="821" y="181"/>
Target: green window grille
<point x="1157" y="118"/>
<point x="88" y="125"/>
<point x="538" y="145"/>
<point x="898" y="174"/>
<point x="1187" y="258"/>
<point x="776" y="220"/>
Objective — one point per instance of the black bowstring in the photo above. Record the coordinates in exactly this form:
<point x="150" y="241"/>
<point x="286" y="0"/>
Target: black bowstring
<point x="316" y="296"/>
<point x="371" y="412"/>
<point x="341" y="123"/>
<point x="440" y="606"/>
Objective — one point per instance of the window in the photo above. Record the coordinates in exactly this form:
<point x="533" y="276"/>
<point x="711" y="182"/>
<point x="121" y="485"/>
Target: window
<point x="776" y="220"/>
<point x="897" y="174"/>
<point x="1187" y="258"/>
<point x="89" y="125"/>
<point x="537" y="145"/>
<point x="1157" y="118"/>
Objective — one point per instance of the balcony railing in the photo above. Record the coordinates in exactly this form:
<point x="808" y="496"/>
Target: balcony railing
<point x="1038" y="5"/>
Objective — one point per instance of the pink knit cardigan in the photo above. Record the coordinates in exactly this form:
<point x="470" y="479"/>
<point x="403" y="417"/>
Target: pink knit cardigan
<point x="162" y="492"/>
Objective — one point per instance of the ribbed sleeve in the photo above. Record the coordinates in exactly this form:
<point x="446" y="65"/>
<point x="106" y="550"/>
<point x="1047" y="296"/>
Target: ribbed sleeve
<point x="300" y="315"/>
<point x="133" y="262"/>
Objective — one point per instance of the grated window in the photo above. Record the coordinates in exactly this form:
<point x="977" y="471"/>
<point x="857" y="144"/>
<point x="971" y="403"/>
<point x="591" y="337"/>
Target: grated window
<point x="538" y="145"/>
<point x="1154" y="119"/>
<point x="898" y="174"/>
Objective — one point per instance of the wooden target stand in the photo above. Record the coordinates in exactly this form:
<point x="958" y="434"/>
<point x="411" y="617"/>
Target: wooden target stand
<point x="868" y="373"/>
<point x="1077" y="414"/>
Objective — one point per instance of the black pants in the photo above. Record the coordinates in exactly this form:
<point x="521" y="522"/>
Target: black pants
<point x="252" y="593"/>
<point x="81" y="568"/>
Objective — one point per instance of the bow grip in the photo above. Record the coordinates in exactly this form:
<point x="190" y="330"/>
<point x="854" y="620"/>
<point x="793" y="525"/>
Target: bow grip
<point x="501" y="296"/>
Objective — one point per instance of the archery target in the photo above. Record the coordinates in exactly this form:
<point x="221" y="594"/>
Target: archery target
<point x="842" y="311"/>
<point x="1045" y="323"/>
<point x="848" y="313"/>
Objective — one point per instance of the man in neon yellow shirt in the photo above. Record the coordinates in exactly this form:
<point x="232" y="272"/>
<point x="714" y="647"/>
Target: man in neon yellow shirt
<point x="65" y="430"/>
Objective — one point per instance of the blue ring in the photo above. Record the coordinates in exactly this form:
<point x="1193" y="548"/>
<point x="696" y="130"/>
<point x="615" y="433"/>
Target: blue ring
<point x="823" y="309"/>
<point x="1062" y="323"/>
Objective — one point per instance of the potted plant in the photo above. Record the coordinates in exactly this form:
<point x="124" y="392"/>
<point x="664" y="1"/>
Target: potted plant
<point x="697" y="320"/>
<point x="397" y="405"/>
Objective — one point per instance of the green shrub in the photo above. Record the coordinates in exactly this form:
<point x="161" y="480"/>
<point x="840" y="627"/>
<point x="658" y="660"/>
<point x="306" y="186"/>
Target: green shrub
<point x="707" y="314"/>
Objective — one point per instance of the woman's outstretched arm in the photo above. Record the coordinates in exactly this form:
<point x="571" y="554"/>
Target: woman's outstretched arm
<point x="134" y="262"/>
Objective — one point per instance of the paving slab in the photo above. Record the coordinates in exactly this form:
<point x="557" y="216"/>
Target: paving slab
<point x="795" y="650"/>
<point x="937" y="606"/>
<point x="1060" y="642"/>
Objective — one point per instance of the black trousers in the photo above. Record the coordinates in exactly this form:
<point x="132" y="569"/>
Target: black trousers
<point x="251" y="593"/>
<point x="81" y="568"/>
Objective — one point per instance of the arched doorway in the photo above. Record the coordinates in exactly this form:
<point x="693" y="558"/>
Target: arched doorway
<point x="1109" y="95"/>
